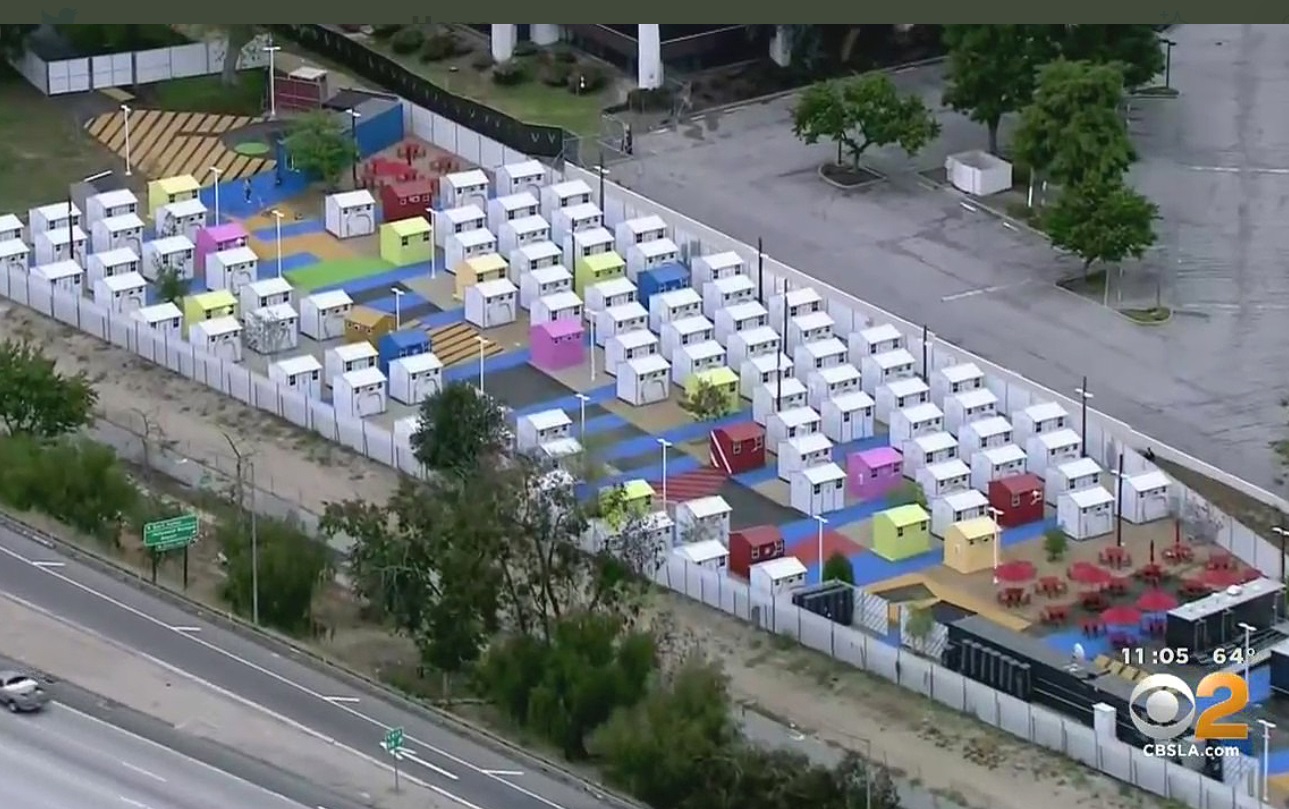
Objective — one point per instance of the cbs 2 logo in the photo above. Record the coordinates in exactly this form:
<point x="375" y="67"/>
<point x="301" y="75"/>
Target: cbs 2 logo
<point x="1166" y="719"/>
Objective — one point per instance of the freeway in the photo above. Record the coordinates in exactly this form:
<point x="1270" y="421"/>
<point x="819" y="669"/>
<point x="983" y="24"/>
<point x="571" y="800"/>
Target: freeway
<point x="442" y="762"/>
<point x="65" y="759"/>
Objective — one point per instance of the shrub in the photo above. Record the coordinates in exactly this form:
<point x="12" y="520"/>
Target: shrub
<point x="509" y="73"/>
<point x="481" y="61"/>
<point x="555" y="74"/>
<point x="386" y="30"/>
<point x="650" y="100"/>
<point x="587" y="79"/>
<point x="439" y="47"/>
<point x="73" y="480"/>
<point x="408" y="40"/>
<point x="291" y="568"/>
<point x="562" y="52"/>
<point x="525" y="47"/>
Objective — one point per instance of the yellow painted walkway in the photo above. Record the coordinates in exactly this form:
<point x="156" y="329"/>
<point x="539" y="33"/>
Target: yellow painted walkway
<point x="459" y="343"/>
<point x="170" y="144"/>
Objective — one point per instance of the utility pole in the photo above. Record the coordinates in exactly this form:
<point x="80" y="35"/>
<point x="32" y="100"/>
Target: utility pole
<point x="243" y="463"/>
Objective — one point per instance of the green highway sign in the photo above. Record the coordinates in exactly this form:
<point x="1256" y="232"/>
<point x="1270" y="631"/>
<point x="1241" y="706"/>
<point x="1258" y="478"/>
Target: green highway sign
<point x="393" y="740"/>
<point x="171" y="534"/>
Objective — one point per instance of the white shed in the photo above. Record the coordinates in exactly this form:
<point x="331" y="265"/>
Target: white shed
<point x="220" y="336"/>
<point x="983" y="434"/>
<point x="10" y="227"/>
<point x="963" y="408"/>
<point x="696" y="358"/>
<point x="1082" y="473"/>
<point x="644" y="380"/>
<point x="1046" y="417"/>
<point x="53" y="216"/>
<point x="182" y="218"/>
<point x="269" y="292"/>
<point x="709" y="554"/>
<point x="955" y="508"/>
<point x="535" y="429"/>
<point x="848" y="417"/>
<point x="490" y="304"/>
<point x="829" y="383"/>
<point x="639" y="230"/>
<point x="798" y="421"/>
<point x="817" y="355"/>
<point x="808" y="328"/>
<point x="566" y="222"/>
<point x="468" y="244"/>
<point x="584" y="243"/>
<point x="1146" y="497"/>
<point x="677" y="304"/>
<point x="627" y="347"/>
<point x="414" y="379"/>
<point x="750" y="343"/>
<point x="703" y="519"/>
<point x="166" y="318"/>
<point x="350" y="213"/>
<point x="705" y="269"/>
<point x="1085" y="513"/>
<point x="111" y="203"/>
<point x="560" y="306"/>
<point x="60" y="276"/>
<point x="451" y="221"/>
<point x="511" y="207"/>
<point x="529" y="257"/>
<point x="1047" y="450"/>
<point x="796" y="303"/>
<point x="59" y="245"/>
<point x="543" y="281"/>
<point x="946" y="477"/>
<point x="562" y="195"/>
<point x="777" y="576"/>
<point x="899" y="394"/>
<point x="177" y="254"/>
<point x="743" y="316"/>
<point x="468" y="187"/>
<point x="348" y="357"/>
<point x="689" y="331"/>
<point x="766" y="369"/>
<point x="819" y="489"/>
<point x="996" y="463"/>
<point x="521" y="232"/>
<point x="514" y="178"/>
<point x="725" y="292"/>
<point x="926" y="450"/>
<point x="302" y="374"/>
<point x="956" y="379"/>
<point x="881" y="369"/>
<point x="359" y="394"/>
<point x="648" y="255"/>
<point x="606" y="294"/>
<point x="322" y="314"/>
<point x="876" y="340"/>
<point x="621" y="319"/>
<point x="273" y="328"/>
<point x="777" y="397"/>
<point x="911" y="422"/>
<point x="802" y="452"/>
<point x="112" y="262"/>
<point x="121" y="293"/>
<point x="15" y="255"/>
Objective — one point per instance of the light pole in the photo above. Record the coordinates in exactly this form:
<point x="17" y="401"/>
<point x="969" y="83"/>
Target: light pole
<point x="582" y="399"/>
<point x="1248" y="646"/>
<point x="215" y="170"/>
<point x="483" y="346"/>
<point x="1084" y="395"/>
<point x="1168" y="82"/>
<point x="1267" y="727"/>
<point x="277" y="226"/>
<point x="665" y="445"/>
<point x="272" y="50"/>
<point x="819" y="539"/>
<point x="125" y="116"/>
<point x="1118" y="503"/>
<point x="1283" y="534"/>
<point x="602" y="172"/>
<point x="354" y="115"/>
<point x="590" y="352"/>
<point x="429" y="212"/>
<point x="994" y="514"/>
<point x="927" y="337"/>
<point x="398" y="307"/>
<point x="247" y="466"/>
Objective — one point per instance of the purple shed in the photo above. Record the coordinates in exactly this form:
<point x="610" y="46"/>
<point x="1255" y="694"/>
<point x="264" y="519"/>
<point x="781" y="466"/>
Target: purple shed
<point x="215" y="238"/>
<point x="558" y="344"/>
<point x="872" y="473"/>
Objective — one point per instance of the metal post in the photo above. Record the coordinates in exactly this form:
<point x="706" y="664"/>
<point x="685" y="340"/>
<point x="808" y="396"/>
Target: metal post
<point x="1118" y="504"/>
<point x="215" y="170"/>
<point x="398" y="307"/>
<point x="125" y="114"/>
<point x="664" y="444"/>
<point x="397" y="758"/>
<point x="155" y="556"/>
<point x="255" y="552"/>
<point x="599" y="169"/>
<point x="590" y="352"/>
<point x="926" y="353"/>
<point x="581" y="416"/>
<point x="354" y="115"/>
<point x="1084" y="395"/>
<point x="1267" y="727"/>
<point x="430" y="214"/>
<point x="277" y="216"/>
<point x="1248" y="647"/>
<point x="272" y="50"/>
<point x="819" y="539"/>
<point x="760" y="270"/>
<point x="783" y="349"/>
<point x="1281" y="532"/>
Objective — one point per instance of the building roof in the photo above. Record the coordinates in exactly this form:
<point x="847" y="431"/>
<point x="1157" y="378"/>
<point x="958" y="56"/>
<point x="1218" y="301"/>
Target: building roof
<point x="330" y="299"/>
<point x="823" y="473"/>
<point x="704" y="551"/>
<point x="962" y="501"/>
<point x="160" y="311"/>
<point x="758" y="534"/>
<point x="734" y="283"/>
<point x="1044" y="411"/>
<point x="903" y="516"/>
<point x="1019" y="484"/>
<point x="810" y="444"/>
<point x="637" y="490"/>
<point x="237" y="255"/>
<point x="348" y="352"/>
<point x="962" y="372"/>
<point x="878" y="457"/>
<point x="1079" y="468"/>
<point x="1148" y="481"/>
<point x="486" y="263"/>
<point x="224" y="232"/>
<point x="217" y="326"/>
<point x="743" y="431"/>
<point x="990" y="426"/>
<point x="935" y="442"/>
<point x="837" y="374"/>
<point x="417" y="363"/>
<point x="796" y="416"/>
<point x="948" y="470"/>
<point x="525" y="169"/>
<point x="712" y="506"/>
<point x="648" y="364"/>
<point x="553" y="274"/>
<point x="672" y="273"/>
<point x="603" y="262"/>
<point x="592" y="237"/>
<point x="1059" y="438"/>
<point x="549" y="420"/>
<point x="412" y="226"/>
<point x="881" y="333"/>
<point x="722" y="261"/>
<point x="528" y="224"/>
<point x="303" y="364"/>
<point x="471" y="178"/>
<point x="270" y="286"/>
<point x="801" y="297"/>
<point x="564" y="327"/>
<point x="570" y="188"/>
<point x="354" y="199"/>
<point x="180" y="184"/>
<point x="407" y="338"/>
<point x="463" y="213"/>
<point x="475" y="238"/>
<point x="1092" y="496"/>
<point x="641" y="224"/>
<point x="978" y="397"/>
<point x="367" y="316"/>
<point x="1008" y="453"/>
<point x="363" y="377"/>
<point x="214" y="299"/>
<point x="785" y="567"/>
<point x="582" y="210"/>
<point x="496" y="288"/>
<point x="893" y="359"/>
<point x="813" y="320"/>
<point x="559" y="301"/>
<point x="632" y="310"/>
<point x="522" y="199"/>
<point x="850" y="401"/>
<point x="718" y="376"/>
<point x="909" y="386"/>
<point x="920" y="413"/>
<point x="537" y="251"/>
<point x="184" y="207"/>
<point x="977" y="527"/>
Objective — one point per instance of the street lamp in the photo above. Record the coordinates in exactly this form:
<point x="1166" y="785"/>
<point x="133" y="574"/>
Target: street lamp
<point x="398" y="307"/>
<point x="354" y="115"/>
<point x="1248" y="646"/>
<point x="1168" y="78"/>
<point x="125" y="116"/>
<point x="247" y="465"/>
<point x="1267" y="727"/>
<point x="1118" y="501"/>
<point x="821" y="521"/>
<point x="602" y="172"/>
<point x="994" y="514"/>
<point x="277" y="227"/>
<point x="272" y="50"/>
<point x="429" y="212"/>
<point x="927" y="337"/>
<point x="1283" y="534"/>
<point x="665" y="445"/>
<point x="582" y="399"/>
<point x="483" y="347"/>
<point x="590" y="351"/>
<point x="215" y="170"/>
<point x="1084" y="395"/>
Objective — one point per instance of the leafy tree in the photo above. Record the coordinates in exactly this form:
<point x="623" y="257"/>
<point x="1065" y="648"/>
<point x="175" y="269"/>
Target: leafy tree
<point x="37" y="400"/>
<point x="171" y="285"/>
<point x="839" y="568"/>
<point x="863" y="785"/>
<point x="919" y="624"/>
<point x="992" y="70"/>
<point x="1136" y="49"/>
<point x="13" y="38"/>
<point x="706" y="402"/>
<point x="319" y="145"/>
<point x="1102" y="220"/>
<point x="75" y="481"/>
<point x="460" y="428"/>
<point x="1055" y="544"/>
<point x="863" y="111"/>
<point x="291" y="569"/>
<point x="239" y="36"/>
<point x="1074" y="131"/>
<point x="659" y="749"/>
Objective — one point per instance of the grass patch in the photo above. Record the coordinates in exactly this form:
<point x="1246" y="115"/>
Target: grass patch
<point x="209" y="94"/>
<point x="1024" y="213"/>
<point x="1157" y="91"/>
<point x="1092" y="285"/>
<point x="1155" y="314"/>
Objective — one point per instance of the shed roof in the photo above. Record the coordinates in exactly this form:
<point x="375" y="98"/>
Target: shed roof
<point x="704" y="551"/>
<point x="367" y="316"/>
<point x="902" y="516"/>
<point x="758" y="534"/>
<point x="977" y="527"/>
<point x="214" y="299"/>
<point x="603" y="262"/>
<point x="180" y="184"/>
<point x="743" y="431"/>
<point x="879" y="457"/>
<point x="486" y="263"/>
<point x="412" y="226"/>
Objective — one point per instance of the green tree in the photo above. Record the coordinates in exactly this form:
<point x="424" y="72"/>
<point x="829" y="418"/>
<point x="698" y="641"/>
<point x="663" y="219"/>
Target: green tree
<point x="171" y="285"/>
<point x="863" y="111"/>
<point x="706" y="402"/>
<point x="919" y="624"/>
<point x="1102" y="221"/>
<point x="1136" y="49"/>
<point x="839" y="568"/>
<point x="1074" y="131"/>
<point x="35" y="398"/>
<point x="1055" y="544"/>
<point x="291" y="569"/>
<point x="319" y="145"/>
<point x="13" y="38"/>
<point x="239" y="36"/>
<point x="992" y="70"/>
<point x="459" y="429"/>
<point x="74" y="480"/>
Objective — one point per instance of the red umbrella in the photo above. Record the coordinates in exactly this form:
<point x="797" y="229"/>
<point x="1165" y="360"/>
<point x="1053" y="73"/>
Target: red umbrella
<point x="1089" y="574"/>
<point x="1222" y="579"/>
<point x="1016" y="571"/>
<point x="1121" y="616"/>
<point x="1156" y="601"/>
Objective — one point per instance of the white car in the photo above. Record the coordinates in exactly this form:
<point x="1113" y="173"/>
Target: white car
<point x="21" y="692"/>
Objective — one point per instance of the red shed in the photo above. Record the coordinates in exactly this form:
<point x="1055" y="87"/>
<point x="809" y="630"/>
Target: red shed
<point x="302" y="90"/>
<point x="760" y="543"/>
<point x="407" y="200"/>
<point x="1019" y="498"/>
<point x="738" y="448"/>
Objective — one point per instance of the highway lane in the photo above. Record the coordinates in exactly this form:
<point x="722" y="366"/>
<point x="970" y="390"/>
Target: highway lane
<point x="64" y="759"/>
<point x="440" y="759"/>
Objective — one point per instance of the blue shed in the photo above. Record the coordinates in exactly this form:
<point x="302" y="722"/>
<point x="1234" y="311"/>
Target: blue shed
<point x="662" y="279"/>
<point x="406" y="343"/>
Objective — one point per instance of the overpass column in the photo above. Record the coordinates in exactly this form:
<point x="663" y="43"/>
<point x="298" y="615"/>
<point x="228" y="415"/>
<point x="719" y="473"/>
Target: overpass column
<point x="781" y="46"/>
<point x="544" y="33"/>
<point x="503" y="40"/>
<point x="649" y="58"/>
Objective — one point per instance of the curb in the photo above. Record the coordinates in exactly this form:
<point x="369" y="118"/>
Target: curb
<point x="358" y="680"/>
<point x="1150" y="324"/>
<point x="878" y="177"/>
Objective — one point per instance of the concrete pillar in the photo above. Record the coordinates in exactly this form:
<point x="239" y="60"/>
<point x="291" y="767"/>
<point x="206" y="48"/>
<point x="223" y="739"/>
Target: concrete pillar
<point x="649" y="58"/>
<point x="544" y="33"/>
<point x="781" y="46"/>
<point x="503" y="40"/>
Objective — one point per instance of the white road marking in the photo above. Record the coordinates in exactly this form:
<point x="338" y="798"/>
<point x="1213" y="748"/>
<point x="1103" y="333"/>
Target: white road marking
<point x="291" y="684"/>
<point x="186" y="628"/>
<point x="349" y="700"/>
<point x="41" y="563"/>
<point x="142" y="771"/>
<point x="505" y="773"/>
<point x="1238" y="170"/>
<point x="133" y="802"/>
<point x="1009" y="225"/>
<point x="411" y="756"/>
<point x="967" y="207"/>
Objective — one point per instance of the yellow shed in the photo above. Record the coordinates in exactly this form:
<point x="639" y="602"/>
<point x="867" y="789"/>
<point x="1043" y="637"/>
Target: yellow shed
<point x="208" y="306"/>
<point x="969" y="545"/>
<point x="478" y="269"/>
<point x="364" y="324"/>
<point x="171" y="189"/>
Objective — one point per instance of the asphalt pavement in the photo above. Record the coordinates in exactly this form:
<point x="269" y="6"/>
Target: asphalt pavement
<point x="62" y="758"/>
<point x="1216" y="160"/>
